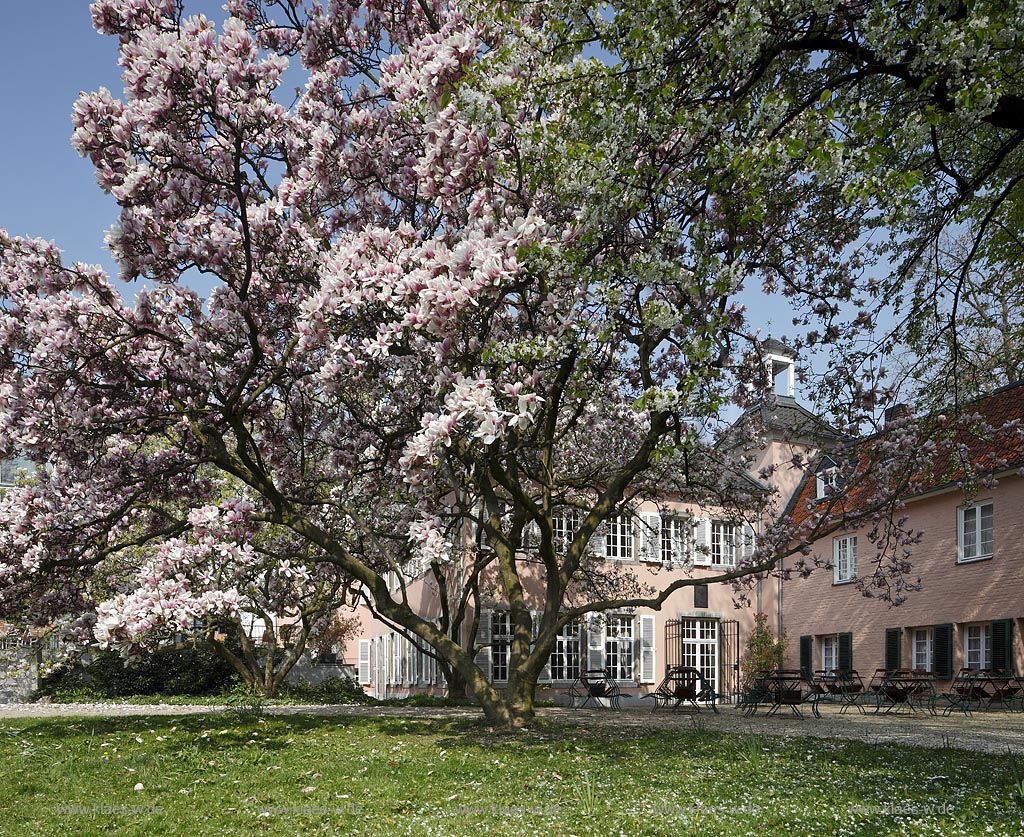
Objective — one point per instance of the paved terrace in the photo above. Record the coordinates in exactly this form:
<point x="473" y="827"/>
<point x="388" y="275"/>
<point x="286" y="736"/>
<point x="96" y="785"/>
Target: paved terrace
<point x="988" y="731"/>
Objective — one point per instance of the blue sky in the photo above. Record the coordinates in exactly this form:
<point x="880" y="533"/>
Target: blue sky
<point x="48" y="54"/>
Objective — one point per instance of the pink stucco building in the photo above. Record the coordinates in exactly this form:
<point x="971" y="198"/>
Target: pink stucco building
<point x="968" y="611"/>
<point x="698" y="626"/>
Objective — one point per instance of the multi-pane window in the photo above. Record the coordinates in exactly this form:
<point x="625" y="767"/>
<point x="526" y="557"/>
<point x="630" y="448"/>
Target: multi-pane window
<point x="699" y="646"/>
<point x="724" y="539"/>
<point x="975" y="532"/>
<point x="676" y="534"/>
<point x="924" y="659"/>
<point x="619" y="537"/>
<point x="567" y="654"/>
<point x="618" y="647"/>
<point x="830" y="653"/>
<point x="978" y="647"/>
<point x="564" y="527"/>
<point x="826" y="482"/>
<point x="844" y="558"/>
<point x="501" y="642"/>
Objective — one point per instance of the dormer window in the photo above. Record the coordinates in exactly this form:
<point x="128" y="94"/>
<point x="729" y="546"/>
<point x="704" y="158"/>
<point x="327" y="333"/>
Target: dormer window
<point x="827" y="477"/>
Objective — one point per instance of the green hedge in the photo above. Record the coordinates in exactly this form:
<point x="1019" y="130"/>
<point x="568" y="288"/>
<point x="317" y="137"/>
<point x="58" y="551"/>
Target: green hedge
<point x="172" y="671"/>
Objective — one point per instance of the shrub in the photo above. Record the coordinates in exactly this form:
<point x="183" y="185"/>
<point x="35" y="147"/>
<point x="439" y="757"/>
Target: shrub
<point x="764" y="652"/>
<point x="172" y="671"/>
<point x="342" y="690"/>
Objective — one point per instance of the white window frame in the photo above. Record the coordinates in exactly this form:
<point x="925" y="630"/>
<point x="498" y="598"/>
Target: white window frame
<point x="830" y="652"/>
<point x="971" y="543"/>
<point x="923" y="649"/>
<point x="501" y="644"/>
<point x="620" y="646"/>
<point x="618" y="539"/>
<point x="566" y="661"/>
<point x="564" y="526"/>
<point x="725" y="542"/>
<point x="699" y="647"/>
<point x="676" y="542"/>
<point x="978" y="646"/>
<point x="826" y="482"/>
<point x="844" y="559"/>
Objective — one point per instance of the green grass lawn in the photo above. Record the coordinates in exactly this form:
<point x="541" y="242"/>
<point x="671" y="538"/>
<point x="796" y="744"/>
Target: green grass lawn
<point x="299" y="775"/>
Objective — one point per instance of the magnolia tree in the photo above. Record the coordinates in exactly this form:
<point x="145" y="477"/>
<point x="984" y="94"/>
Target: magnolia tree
<point x="249" y="595"/>
<point x="466" y="273"/>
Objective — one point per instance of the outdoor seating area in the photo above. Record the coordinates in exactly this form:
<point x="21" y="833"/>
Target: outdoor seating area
<point x="683" y="685"/>
<point x="596" y="688"/>
<point x="792" y="691"/>
<point x="886" y="692"/>
<point x="789" y="688"/>
<point x="971" y="690"/>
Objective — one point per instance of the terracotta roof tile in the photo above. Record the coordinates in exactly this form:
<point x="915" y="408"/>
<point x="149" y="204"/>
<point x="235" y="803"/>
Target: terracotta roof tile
<point x="985" y="438"/>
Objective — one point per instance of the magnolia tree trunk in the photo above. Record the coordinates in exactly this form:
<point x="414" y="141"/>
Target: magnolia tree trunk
<point x="263" y="672"/>
<point x="514" y="708"/>
<point x="457" y="686"/>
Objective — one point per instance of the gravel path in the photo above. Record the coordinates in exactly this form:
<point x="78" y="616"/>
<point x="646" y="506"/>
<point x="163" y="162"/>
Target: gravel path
<point x="991" y="731"/>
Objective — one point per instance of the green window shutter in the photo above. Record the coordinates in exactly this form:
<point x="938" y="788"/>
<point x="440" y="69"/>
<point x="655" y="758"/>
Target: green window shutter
<point x="845" y="651"/>
<point x="1002" y="644"/>
<point x="806" y="652"/>
<point x="893" y="649"/>
<point x="942" y="648"/>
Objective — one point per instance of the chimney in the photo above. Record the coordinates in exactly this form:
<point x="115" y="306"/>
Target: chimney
<point x="897" y="412"/>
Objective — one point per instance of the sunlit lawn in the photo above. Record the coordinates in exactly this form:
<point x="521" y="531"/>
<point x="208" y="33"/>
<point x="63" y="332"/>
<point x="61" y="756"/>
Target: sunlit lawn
<point x="213" y="775"/>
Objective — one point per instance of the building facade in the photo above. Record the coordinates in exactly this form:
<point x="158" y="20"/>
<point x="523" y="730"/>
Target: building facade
<point x="699" y="625"/>
<point x="969" y="610"/>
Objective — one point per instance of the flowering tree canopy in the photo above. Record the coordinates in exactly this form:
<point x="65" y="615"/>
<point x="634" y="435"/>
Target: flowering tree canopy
<point x="468" y="271"/>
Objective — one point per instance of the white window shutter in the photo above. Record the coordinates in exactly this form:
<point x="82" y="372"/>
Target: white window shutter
<point x="364" y="662"/>
<point x="702" y="542"/>
<point x="749" y="542"/>
<point x="647" y="649"/>
<point x="650" y="538"/>
<point x="598" y="545"/>
<point x="531" y="536"/>
<point x="545" y="673"/>
<point x="412" y="653"/>
<point x="476" y="529"/>
<point x="483" y="642"/>
<point x="595" y="642"/>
